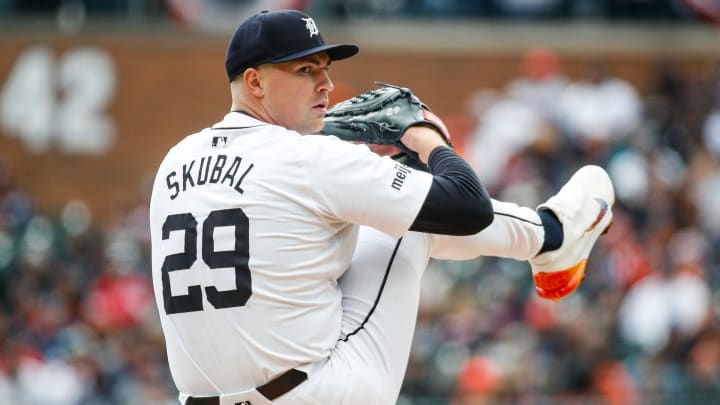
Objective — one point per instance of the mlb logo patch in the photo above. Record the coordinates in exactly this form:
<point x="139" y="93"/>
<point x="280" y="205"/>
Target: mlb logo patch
<point x="219" y="141"/>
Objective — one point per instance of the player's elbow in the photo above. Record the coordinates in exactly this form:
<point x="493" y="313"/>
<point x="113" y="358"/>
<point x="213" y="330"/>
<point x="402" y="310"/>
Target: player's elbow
<point x="478" y="216"/>
<point x="462" y="217"/>
<point x="465" y="212"/>
<point x="485" y="215"/>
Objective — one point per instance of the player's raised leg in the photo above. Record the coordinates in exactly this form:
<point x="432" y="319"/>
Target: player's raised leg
<point x="381" y="294"/>
<point x="584" y="208"/>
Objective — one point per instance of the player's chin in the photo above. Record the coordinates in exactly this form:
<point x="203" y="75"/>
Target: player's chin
<point x="313" y="126"/>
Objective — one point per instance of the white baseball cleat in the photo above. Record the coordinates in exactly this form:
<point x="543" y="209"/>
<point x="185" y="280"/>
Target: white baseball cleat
<point x="584" y="207"/>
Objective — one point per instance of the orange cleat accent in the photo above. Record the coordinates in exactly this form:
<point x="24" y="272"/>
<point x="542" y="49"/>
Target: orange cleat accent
<point x="558" y="285"/>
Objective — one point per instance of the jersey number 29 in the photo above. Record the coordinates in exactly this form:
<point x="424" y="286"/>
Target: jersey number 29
<point x="236" y="258"/>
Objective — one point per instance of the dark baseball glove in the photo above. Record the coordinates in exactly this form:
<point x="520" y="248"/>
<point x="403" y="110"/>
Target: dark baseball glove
<point x="381" y="116"/>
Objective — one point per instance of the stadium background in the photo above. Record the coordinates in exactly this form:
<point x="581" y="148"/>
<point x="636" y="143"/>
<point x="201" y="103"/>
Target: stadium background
<point x="92" y="93"/>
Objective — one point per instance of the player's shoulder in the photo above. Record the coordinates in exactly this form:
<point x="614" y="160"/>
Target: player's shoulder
<point x="332" y="143"/>
<point x="188" y="142"/>
<point x="185" y="147"/>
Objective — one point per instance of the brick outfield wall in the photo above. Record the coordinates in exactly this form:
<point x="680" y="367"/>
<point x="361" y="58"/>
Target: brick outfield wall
<point x="167" y="89"/>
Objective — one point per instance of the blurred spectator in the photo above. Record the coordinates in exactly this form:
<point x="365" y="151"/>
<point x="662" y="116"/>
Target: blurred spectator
<point x="674" y="300"/>
<point x="600" y="109"/>
<point x="50" y="382"/>
<point x="504" y="127"/>
<point x="703" y="191"/>
<point x="631" y="177"/>
<point x="541" y="83"/>
<point x="615" y="384"/>
<point x="478" y="382"/>
<point x="118" y="299"/>
<point x="711" y="126"/>
<point x="15" y="206"/>
<point x="15" y="213"/>
<point x="703" y="365"/>
<point x="671" y="106"/>
<point x="626" y="256"/>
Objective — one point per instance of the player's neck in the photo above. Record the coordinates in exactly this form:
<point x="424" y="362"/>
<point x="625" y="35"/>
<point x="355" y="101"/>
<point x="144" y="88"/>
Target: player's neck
<point x="252" y="110"/>
<point x="241" y="111"/>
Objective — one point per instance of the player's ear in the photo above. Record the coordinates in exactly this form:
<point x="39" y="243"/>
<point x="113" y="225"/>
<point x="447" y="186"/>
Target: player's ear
<point x="253" y="81"/>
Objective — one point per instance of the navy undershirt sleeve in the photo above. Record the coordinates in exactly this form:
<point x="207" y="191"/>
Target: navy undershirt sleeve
<point x="457" y="203"/>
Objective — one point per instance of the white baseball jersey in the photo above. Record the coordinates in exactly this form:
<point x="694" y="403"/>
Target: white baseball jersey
<point x="251" y="226"/>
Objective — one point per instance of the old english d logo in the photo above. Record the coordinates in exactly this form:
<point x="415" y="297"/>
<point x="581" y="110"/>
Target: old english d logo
<point x="311" y="27"/>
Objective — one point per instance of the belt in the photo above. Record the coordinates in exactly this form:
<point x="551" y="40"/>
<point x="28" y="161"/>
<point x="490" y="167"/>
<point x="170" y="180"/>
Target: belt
<point x="270" y="390"/>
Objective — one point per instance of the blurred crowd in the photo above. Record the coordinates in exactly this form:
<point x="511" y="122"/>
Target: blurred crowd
<point x="194" y="10"/>
<point x="515" y="9"/>
<point x="78" y="322"/>
<point x="643" y="326"/>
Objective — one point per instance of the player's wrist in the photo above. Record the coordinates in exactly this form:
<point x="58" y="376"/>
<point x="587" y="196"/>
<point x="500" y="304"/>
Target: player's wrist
<point x="423" y="139"/>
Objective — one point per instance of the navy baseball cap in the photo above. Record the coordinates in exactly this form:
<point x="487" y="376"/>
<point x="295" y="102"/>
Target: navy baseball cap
<point x="278" y="36"/>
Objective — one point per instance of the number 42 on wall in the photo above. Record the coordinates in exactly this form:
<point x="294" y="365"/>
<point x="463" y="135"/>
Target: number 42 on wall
<point x="60" y="101"/>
